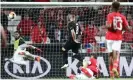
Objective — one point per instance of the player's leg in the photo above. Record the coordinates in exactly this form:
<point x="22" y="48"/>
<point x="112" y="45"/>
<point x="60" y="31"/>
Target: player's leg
<point x="76" y="54"/>
<point x="22" y="62"/>
<point x="115" y="64"/>
<point x="111" y="65"/>
<point x="118" y="68"/>
<point x="31" y="56"/>
<point x="109" y="48"/>
<point x="64" y="51"/>
<point x="116" y="52"/>
<point x="17" y="58"/>
<point x="75" y="50"/>
<point x="88" y="72"/>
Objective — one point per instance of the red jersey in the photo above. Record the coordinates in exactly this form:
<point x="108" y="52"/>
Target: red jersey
<point x="93" y="66"/>
<point x="118" y="23"/>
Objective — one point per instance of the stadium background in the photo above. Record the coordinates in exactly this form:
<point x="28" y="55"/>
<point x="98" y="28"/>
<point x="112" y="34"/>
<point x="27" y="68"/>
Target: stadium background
<point x="53" y="34"/>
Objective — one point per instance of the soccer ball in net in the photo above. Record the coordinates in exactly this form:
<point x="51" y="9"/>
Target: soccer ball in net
<point x="12" y="15"/>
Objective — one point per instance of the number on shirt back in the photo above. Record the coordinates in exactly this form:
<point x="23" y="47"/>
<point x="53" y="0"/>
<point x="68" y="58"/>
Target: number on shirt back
<point x="78" y="33"/>
<point x="117" y="23"/>
<point x="77" y="28"/>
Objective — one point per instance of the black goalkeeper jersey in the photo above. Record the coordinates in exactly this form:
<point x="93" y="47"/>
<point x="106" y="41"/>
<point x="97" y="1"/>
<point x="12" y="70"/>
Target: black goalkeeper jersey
<point x="77" y="30"/>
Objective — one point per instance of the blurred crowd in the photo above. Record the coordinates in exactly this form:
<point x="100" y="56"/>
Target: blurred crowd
<point x="49" y="25"/>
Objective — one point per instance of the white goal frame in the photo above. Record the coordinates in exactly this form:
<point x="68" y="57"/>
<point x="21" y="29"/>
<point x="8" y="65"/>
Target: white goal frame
<point x="50" y="4"/>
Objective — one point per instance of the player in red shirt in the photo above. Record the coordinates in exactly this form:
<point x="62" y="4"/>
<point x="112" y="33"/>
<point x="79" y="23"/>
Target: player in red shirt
<point x="116" y="23"/>
<point x="89" y="69"/>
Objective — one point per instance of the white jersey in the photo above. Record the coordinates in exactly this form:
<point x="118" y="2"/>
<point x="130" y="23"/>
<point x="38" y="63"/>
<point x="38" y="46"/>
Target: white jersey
<point x="19" y="58"/>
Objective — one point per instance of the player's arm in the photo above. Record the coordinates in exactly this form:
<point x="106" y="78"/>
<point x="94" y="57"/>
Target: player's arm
<point x="129" y="28"/>
<point x="33" y="47"/>
<point x="3" y="36"/>
<point x="29" y="46"/>
<point x="109" y="21"/>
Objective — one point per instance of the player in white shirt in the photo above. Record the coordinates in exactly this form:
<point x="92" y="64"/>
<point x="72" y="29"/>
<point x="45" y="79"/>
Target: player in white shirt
<point x="21" y="54"/>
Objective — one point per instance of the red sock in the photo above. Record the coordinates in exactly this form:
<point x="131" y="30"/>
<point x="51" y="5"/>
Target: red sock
<point x="110" y="70"/>
<point x="86" y="72"/>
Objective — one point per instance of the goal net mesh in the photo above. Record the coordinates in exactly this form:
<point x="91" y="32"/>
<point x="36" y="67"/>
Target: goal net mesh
<point x="45" y="26"/>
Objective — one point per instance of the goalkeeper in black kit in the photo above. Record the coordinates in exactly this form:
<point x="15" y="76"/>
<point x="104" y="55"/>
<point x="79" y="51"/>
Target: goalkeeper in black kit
<point x="74" y="41"/>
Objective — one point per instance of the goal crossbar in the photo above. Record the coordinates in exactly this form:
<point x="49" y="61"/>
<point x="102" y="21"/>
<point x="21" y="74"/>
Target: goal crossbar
<point x="31" y="4"/>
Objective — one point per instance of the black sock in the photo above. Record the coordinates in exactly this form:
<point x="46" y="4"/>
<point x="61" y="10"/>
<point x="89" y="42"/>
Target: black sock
<point x="79" y="64"/>
<point x="79" y="71"/>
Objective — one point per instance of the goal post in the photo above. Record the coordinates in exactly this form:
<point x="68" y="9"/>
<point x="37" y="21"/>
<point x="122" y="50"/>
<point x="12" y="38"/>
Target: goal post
<point x="44" y="25"/>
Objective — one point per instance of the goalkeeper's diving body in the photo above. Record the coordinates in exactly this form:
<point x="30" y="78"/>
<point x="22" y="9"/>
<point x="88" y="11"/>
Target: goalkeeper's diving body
<point x="74" y="41"/>
<point x="20" y="55"/>
<point x="89" y="70"/>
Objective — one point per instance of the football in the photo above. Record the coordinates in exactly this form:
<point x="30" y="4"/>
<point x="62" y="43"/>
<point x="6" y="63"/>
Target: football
<point x="12" y="15"/>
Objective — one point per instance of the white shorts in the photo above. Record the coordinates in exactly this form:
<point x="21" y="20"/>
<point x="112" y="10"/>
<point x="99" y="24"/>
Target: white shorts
<point x="114" y="45"/>
<point x="19" y="59"/>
